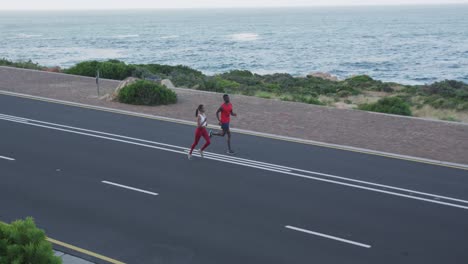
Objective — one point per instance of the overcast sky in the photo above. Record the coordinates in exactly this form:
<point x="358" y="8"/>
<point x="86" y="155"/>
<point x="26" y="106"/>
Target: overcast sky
<point x="126" y="4"/>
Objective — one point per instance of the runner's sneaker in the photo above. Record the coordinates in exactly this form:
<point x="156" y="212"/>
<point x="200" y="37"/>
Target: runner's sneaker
<point x="189" y="156"/>
<point x="211" y="133"/>
<point x="231" y="152"/>
<point x="201" y="153"/>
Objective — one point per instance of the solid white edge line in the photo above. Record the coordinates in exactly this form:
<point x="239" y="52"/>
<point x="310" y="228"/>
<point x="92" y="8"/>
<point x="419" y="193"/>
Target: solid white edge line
<point x="7" y="158"/>
<point x="258" y="163"/>
<point x="216" y="156"/>
<point x="12" y="119"/>
<point x="143" y="145"/>
<point x="328" y="236"/>
<point x="130" y="188"/>
<point x="248" y="132"/>
<point x="263" y="168"/>
<point x="236" y="160"/>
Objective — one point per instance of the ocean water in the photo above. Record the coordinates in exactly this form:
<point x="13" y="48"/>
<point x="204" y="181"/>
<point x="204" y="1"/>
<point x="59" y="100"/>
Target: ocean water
<point x="412" y="44"/>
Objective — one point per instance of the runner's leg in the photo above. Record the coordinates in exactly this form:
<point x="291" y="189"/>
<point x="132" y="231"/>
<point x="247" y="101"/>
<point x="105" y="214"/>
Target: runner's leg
<point x="207" y="139"/>
<point x="198" y="135"/>
<point x="229" y="140"/>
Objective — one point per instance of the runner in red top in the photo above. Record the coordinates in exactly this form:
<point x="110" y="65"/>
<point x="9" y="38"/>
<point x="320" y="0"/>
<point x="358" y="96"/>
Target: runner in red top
<point x="226" y="111"/>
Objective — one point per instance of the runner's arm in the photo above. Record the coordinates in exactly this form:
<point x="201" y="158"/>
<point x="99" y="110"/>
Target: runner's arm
<point x="232" y="113"/>
<point x="217" y="114"/>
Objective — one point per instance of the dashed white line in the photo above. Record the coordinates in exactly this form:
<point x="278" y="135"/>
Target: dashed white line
<point x="328" y="236"/>
<point x="128" y="187"/>
<point x="7" y="158"/>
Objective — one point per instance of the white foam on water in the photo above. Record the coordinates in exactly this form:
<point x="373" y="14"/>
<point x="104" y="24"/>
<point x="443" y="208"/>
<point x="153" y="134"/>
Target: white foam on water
<point x="170" y="36"/>
<point x="244" y="36"/>
<point x="26" y="36"/>
<point x="126" y="36"/>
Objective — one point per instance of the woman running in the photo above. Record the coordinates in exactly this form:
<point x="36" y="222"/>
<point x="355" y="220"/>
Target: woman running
<point x="200" y="131"/>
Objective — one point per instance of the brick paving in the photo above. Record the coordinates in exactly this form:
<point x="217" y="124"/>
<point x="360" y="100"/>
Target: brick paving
<point x="428" y="139"/>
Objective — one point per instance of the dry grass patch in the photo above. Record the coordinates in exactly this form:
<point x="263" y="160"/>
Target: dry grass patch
<point x="440" y="114"/>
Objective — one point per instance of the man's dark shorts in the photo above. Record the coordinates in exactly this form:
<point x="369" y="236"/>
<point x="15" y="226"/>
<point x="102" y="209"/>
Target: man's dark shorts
<point x="225" y="127"/>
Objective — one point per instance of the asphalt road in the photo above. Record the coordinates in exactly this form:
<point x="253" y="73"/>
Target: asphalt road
<point x="122" y="186"/>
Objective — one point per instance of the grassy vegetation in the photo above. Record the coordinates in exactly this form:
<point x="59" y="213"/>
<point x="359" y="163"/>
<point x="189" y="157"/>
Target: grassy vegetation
<point x="21" y="64"/>
<point x="444" y="95"/>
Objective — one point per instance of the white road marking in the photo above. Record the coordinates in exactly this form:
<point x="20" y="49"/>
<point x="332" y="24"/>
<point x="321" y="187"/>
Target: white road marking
<point x="7" y="158"/>
<point x="328" y="236"/>
<point x="218" y="156"/>
<point x="128" y="187"/>
<point x="253" y="162"/>
<point x="432" y="198"/>
<point x="12" y="118"/>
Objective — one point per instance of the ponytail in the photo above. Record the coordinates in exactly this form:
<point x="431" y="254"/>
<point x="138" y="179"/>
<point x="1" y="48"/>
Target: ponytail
<point x="198" y="109"/>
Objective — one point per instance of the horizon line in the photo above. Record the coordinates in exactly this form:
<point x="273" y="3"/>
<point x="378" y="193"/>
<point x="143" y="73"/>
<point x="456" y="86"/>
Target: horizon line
<point x="237" y="7"/>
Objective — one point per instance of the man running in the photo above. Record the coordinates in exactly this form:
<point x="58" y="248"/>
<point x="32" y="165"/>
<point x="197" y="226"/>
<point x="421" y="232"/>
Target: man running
<point x="226" y="111"/>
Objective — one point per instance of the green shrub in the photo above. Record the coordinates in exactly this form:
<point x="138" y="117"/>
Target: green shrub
<point x="301" y="99"/>
<point x="364" y="82"/>
<point x="85" y="68"/>
<point x="115" y="70"/>
<point x="264" y="95"/>
<point x="360" y="79"/>
<point x="447" y="88"/>
<point x="21" y="64"/>
<point x="389" y="105"/>
<point x="343" y="93"/>
<point x="111" y="69"/>
<point x="181" y="76"/>
<point x="23" y="243"/>
<point x="146" y="93"/>
<point x="221" y="85"/>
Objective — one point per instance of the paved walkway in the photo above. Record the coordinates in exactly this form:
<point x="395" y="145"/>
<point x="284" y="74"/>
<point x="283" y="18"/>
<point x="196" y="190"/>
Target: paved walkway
<point x="438" y="140"/>
<point x="69" y="259"/>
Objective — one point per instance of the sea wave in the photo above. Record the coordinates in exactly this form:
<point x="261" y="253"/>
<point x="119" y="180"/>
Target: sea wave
<point x="126" y="36"/>
<point x="170" y="36"/>
<point x="70" y="56"/>
<point x="244" y="37"/>
<point x="26" y="36"/>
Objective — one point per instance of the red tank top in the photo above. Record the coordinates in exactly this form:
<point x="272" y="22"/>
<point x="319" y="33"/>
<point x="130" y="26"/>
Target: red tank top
<point x="226" y="110"/>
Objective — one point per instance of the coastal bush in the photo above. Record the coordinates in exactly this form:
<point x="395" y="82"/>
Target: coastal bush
<point x="85" y="68"/>
<point x="364" y="82"/>
<point x="146" y="93"/>
<point x="264" y="95"/>
<point x="447" y="88"/>
<point x="111" y="69"/>
<point x="22" y="242"/>
<point x="21" y="64"/>
<point x="244" y="78"/>
<point x="389" y="105"/>
<point x="302" y="99"/>
<point x="115" y="70"/>
<point x="180" y="75"/>
<point x="448" y="94"/>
